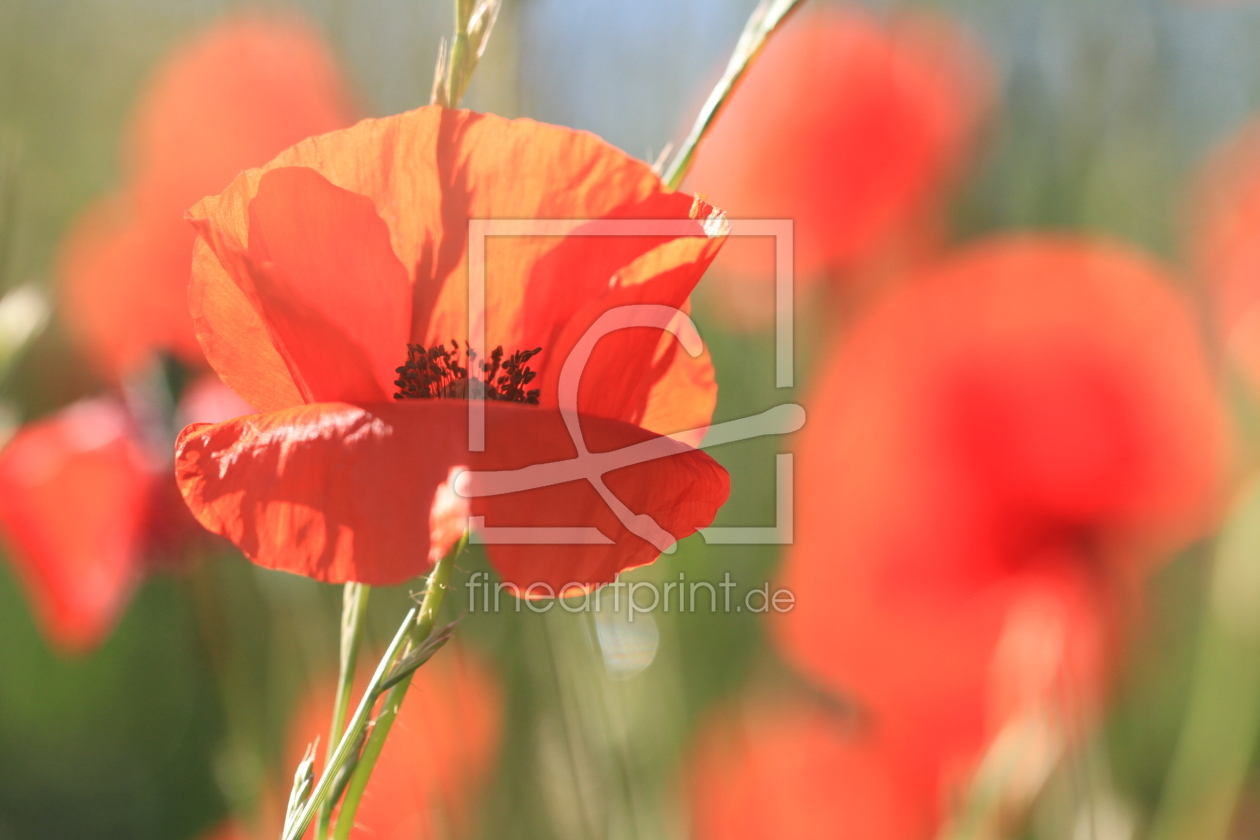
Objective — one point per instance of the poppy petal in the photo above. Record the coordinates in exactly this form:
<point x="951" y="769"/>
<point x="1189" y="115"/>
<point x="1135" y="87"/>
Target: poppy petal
<point x="343" y="492"/>
<point x="628" y="365"/>
<point x="74" y="493"/>
<point x="235" y="339"/>
<point x="683" y="399"/>
<point x="431" y="170"/>
<point x="339" y="316"/>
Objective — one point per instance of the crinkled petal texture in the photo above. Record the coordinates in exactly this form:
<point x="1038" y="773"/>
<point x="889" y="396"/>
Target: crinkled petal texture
<point x="440" y="750"/>
<point x="234" y="97"/>
<point x="313" y="273"/>
<point x="848" y="127"/>
<point x="993" y="458"/>
<point x="343" y="492"/>
<point x="74" y="506"/>
<point x="790" y="770"/>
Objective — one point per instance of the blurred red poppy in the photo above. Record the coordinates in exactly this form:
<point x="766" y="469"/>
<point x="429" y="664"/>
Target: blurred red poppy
<point x="788" y="769"/>
<point x="321" y="277"/>
<point x="77" y="572"/>
<point x="87" y="505"/>
<point x="232" y="97"/>
<point x="440" y="751"/>
<point x="993" y="459"/>
<point x="852" y="129"/>
<point x="1226" y="244"/>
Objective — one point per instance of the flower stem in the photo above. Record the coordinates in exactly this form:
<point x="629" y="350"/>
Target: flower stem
<point x="296" y="824"/>
<point x="353" y="612"/>
<point x="766" y="18"/>
<point x="419" y="634"/>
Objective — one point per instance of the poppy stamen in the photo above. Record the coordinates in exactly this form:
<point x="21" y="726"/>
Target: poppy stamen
<point x="436" y="373"/>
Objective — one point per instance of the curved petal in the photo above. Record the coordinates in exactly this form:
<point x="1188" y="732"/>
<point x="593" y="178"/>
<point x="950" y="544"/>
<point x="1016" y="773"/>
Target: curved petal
<point x="628" y="367"/>
<point x="335" y="299"/>
<point x="74" y="493"/>
<point x="430" y="171"/>
<point x="683" y="398"/>
<point x="343" y="492"/>
<point x="235" y="339"/>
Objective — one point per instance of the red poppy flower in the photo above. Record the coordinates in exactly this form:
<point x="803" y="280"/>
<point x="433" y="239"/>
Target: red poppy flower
<point x="791" y="770"/>
<point x="993" y="458"/>
<point x="87" y="505"/>
<point x="440" y="751"/>
<point x="320" y="276"/>
<point x="848" y="127"/>
<point x="234" y="97"/>
<point x="77" y="573"/>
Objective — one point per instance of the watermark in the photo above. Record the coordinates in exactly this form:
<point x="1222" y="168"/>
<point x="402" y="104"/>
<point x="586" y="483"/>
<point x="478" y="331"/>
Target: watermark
<point x="593" y="466"/>
<point x="639" y="597"/>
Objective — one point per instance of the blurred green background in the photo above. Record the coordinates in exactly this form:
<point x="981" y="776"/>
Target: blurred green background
<point x="1104" y="110"/>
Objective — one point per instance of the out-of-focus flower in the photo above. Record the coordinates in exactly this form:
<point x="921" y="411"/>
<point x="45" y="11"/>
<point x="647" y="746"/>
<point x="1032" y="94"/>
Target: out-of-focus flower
<point x="852" y="129"/>
<point x="87" y="497"/>
<point x="233" y="97"/>
<point x="342" y="264"/>
<point x="440" y="750"/>
<point x="995" y="457"/>
<point x="1226" y="244"/>
<point x="791" y="770"/>
<point x="73" y="488"/>
<point x="87" y="505"/>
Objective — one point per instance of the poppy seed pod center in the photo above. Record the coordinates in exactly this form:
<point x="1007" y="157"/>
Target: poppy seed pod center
<point x="436" y="373"/>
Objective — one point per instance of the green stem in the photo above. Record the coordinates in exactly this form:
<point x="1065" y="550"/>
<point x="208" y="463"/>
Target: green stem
<point x="420" y="632"/>
<point x="353" y="612"/>
<point x="456" y="76"/>
<point x="766" y="18"/>
<point x="358" y="723"/>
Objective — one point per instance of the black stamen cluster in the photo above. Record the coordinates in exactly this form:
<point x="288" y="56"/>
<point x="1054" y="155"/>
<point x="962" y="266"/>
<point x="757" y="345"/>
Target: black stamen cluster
<point x="436" y="373"/>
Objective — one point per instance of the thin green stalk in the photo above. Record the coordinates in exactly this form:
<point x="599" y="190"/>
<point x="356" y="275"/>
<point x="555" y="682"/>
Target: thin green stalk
<point x="296" y="824"/>
<point x="1214" y="751"/>
<point x="354" y="603"/>
<point x="766" y="18"/>
<point x="420" y="633"/>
